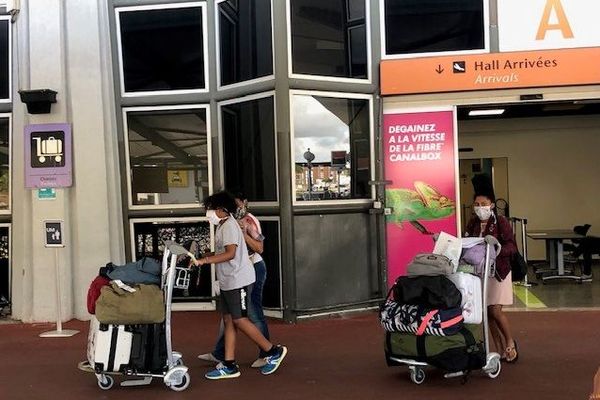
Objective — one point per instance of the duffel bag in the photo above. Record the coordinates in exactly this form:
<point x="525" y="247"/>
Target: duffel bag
<point x="118" y="306"/>
<point x="463" y="351"/>
<point x="429" y="264"/>
<point x="144" y="271"/>
<point x="432" y="292"/>
<point x="419" y="321"/>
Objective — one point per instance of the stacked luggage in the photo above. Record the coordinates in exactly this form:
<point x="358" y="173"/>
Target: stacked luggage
<point x="436" y="315"/>
<point x="130" y="332"/>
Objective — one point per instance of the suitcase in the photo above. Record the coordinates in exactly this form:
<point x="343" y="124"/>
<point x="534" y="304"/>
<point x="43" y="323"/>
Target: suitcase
<point x="112" y="348"/>
<point x="472" y="302"/>
<point x="149" y="348"/>
<point x="91" y="347"/>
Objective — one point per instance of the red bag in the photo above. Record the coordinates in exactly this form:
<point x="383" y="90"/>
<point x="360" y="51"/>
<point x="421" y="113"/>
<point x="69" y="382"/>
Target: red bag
<point x="94" y="292"/>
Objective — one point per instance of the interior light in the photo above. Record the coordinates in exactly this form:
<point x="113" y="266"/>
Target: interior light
<point x="479" y="113"/>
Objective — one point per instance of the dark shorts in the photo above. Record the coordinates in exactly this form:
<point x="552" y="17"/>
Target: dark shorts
<point x="235" y="302"/>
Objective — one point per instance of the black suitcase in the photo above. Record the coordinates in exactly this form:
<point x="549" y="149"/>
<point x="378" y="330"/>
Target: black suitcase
<point x="149" y="348"/>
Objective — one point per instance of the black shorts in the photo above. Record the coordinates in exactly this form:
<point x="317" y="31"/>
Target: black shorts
<point x="235" y="302"/>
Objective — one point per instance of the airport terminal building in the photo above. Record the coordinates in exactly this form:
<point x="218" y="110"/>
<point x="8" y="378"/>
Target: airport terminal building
<point x="118" y="117"/>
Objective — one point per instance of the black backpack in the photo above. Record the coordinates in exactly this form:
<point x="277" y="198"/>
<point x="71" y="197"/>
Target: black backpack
<point x="428" y="291"/>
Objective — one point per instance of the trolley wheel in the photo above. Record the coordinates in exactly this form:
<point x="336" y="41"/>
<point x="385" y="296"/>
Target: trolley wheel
<point x="181" y="386"/>
<point x="106" y="382"/>
<point x="495" y="368"/>
<point x="417" y="375"/>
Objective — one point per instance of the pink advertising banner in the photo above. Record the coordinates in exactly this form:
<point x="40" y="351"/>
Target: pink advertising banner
<point x="421" y="163"/>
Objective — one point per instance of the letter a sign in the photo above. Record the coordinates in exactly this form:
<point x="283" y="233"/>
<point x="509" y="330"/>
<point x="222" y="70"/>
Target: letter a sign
<point x="548" y="24"/>
<point x="562" y="24"/>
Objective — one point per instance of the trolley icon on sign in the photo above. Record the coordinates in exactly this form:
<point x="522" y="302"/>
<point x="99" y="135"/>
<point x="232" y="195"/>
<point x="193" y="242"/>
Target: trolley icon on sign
<point x="47" y="149"/>
<point x="50" y="147"/>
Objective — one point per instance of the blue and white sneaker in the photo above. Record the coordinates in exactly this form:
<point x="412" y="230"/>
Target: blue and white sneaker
<point x="223" y="372"/>
<point x="273" y="362"/>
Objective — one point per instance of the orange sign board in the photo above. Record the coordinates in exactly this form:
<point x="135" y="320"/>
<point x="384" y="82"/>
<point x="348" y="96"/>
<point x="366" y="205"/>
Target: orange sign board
<point x="491" y="71"/>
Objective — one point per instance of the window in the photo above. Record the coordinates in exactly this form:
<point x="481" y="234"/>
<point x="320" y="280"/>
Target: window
<point x="332" y="147"/>
<point x="168" y="150"/>
<point x="245" y="40"/>
<point x="271" y="256"/>
<point x="5" y="272"/>
<point x="5" y="75"/>
<point x="248" y="134"/>
<point x="162" y="48"/>
<point x="329" y="38"/>
<point x="434" y="26"/>
<point x="149" y="238"/>
<point x="4" y="164"/>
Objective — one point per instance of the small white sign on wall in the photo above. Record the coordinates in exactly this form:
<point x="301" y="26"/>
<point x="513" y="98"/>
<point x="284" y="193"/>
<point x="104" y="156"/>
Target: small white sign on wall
<point x="548" y="24"/>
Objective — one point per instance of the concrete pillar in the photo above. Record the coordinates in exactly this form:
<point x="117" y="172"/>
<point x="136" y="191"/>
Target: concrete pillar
<point x="64" y="45"/>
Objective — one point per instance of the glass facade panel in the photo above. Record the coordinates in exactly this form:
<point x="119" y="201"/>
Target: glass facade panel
<point x="4" y="57"/>
<point x="4" y="267"/>
<point x="245" y="40"/>
<point x="426" y="26"/>
<point x="332" y="148"/>
<point x="149" y="242"/>
<point x="168" y="156"/>
<point x="4" y="164"/>
<point x="322" y="43"/>
<point x="272" y="289"/>
<point x="249" y="148"/>
<point x="162" y="49"/>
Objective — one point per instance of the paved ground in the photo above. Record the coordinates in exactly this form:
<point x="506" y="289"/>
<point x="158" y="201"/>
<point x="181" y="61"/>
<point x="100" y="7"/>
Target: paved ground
<point x="338" y="358"/>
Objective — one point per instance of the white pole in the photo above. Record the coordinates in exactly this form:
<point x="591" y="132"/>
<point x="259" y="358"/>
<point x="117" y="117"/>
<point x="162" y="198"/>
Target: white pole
<point x="59" y="332"/>
<point x="58" y="293"/>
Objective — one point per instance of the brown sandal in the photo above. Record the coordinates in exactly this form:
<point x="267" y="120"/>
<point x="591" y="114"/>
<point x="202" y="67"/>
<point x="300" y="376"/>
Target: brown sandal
<point x="514" y="349"/>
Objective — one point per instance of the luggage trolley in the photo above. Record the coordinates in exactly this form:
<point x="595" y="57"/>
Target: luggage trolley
<point x="493" y="365"/>
<point x="174" y="373"/>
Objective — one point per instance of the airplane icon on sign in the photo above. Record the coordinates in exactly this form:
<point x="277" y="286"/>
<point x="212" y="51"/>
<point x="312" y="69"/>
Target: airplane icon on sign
<point x="458" y="67"/>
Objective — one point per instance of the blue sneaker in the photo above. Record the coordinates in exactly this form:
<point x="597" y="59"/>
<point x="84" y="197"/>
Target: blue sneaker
<point x="273" y="362"/>
<point x="223" y="372"/>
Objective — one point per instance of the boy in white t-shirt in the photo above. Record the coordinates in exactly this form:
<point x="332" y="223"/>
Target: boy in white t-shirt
<point x="236" y="277"/>
<point x="254" y="241"/>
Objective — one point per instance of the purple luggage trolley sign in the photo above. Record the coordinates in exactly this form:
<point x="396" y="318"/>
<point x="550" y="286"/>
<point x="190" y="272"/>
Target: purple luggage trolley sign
<point x="48" y="158"/>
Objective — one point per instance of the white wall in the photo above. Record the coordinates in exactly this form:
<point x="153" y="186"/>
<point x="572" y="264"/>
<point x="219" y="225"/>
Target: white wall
<point x="553" y="168"/>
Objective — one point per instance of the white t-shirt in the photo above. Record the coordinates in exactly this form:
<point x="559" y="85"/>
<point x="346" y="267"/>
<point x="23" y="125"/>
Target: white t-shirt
<point x="239" y="271"/>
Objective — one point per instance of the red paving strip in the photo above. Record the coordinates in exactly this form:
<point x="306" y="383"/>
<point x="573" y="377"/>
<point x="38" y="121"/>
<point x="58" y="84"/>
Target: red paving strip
<point x="339" y="358"/>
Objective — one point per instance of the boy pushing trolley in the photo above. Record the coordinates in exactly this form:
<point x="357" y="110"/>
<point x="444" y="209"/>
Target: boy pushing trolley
<point x="235" y="274"/>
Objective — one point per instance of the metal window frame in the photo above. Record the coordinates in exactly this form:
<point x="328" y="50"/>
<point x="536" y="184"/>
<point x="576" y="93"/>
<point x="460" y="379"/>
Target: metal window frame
<point x="203" y="8"/>
<point x="292" y="75"/>
<point x="486" y="38"/>
<point x="246" y="99"/>
<point x="372" y="152"/>
<point x="186" y="306"/>
<point x="267" y="78"/>
<point x="125" y="111"/>
<point x="9" y="99"/>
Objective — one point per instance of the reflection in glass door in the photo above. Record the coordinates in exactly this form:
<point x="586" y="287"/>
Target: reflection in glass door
<point x="149" y="237"/>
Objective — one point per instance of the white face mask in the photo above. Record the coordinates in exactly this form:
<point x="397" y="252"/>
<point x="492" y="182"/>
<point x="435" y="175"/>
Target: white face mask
<point x="483" y="212"/>
<point x="213" y="218"/>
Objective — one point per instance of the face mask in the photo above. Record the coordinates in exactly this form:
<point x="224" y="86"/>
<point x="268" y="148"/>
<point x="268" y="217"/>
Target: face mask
<point x="212" y="217"/>
<point x="484" y="212"/>
<point x="241" y="212"/>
